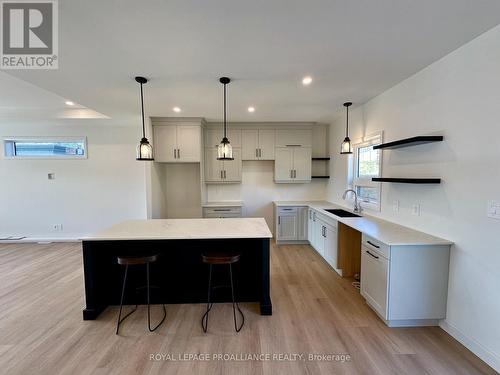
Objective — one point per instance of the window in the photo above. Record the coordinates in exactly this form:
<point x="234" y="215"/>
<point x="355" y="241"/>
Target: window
<point x="367" y="163"/>
<point x="42" y="147"/>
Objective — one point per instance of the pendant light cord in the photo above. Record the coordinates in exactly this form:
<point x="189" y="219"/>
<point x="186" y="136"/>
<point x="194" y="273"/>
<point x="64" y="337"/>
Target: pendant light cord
<point x="347" y="123"/>
<point x="142" y="115"/>
<point x="225" y="111"/>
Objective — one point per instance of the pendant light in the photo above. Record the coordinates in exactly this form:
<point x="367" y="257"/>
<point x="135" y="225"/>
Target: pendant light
<point x="346" y="145"/>
<point x="144" y="150"/>
<point x="225" y="150"/>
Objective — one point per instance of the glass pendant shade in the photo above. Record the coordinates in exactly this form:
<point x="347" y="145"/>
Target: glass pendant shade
<point x="144" y="150"/>
<point x="225" y="150"/>
<point x="346" y="146"/>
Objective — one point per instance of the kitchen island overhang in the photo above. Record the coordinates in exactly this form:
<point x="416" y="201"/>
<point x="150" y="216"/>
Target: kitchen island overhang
<point x="179" y="274"/>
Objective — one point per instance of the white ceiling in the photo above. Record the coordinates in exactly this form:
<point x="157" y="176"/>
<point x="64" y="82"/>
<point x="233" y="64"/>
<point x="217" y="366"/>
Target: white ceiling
<point x="353" y="49"/>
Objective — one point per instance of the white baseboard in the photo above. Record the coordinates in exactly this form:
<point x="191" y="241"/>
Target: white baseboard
<point x="42" y="240"/>
<point x="487" y="356"/>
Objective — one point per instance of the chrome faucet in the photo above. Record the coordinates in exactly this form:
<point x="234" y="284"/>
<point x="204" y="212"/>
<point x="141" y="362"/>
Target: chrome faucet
<point x="357" y="206"/>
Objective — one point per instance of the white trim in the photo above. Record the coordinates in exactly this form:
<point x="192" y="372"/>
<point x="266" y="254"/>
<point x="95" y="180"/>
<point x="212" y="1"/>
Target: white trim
<point x="42" y="240"/>
<point x="475" y="347"/>
<point x="367" y="140"/>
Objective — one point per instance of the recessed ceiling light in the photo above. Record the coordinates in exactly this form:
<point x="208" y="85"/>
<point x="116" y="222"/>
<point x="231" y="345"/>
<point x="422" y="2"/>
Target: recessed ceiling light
<point x="251" y="109"/>
<point x="307" y="80"/>
<point x="176" y="109"/>
<point x="69" y="102"/>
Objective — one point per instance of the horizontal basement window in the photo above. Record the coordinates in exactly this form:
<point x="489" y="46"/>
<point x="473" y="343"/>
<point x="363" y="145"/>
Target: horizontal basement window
<point x="45" y="147"/>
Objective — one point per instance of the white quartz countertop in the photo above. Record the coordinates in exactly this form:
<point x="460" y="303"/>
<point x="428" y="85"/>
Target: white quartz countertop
<point x="389" y="233"/>
<point x="180" y="229"/>
<point x="223" y="204"/>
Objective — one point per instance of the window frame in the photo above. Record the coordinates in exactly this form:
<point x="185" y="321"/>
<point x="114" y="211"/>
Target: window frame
<point x="354" y="182"/>
<point x="41" y="139"/>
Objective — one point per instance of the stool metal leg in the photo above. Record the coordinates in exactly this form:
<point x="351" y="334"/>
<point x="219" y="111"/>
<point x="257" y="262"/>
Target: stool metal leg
<point x="204" y="318"/>
<point x="235" y="304"/>
<point x="149" y="307"/>
<point x="120" y="319"/>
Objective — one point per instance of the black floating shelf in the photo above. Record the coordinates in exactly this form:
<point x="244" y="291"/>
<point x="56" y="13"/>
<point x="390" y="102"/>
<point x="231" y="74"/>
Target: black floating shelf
<point x="320" y="158"/>
<point x="408" y="180"/>
<point x="320" y="176"/>
<point x="410" y="142"/>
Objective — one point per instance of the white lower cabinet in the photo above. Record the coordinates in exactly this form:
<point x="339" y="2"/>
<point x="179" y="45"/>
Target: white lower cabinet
<point x="406" y="285"/>
<point x="291" y="223"/>
<point x="323" y="237"/>
<point x="221" y="212"/>
<point x="330" y="245"/>
<point x="374" y="279"/>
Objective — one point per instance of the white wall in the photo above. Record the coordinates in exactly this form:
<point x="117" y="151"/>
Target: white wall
<point x="459" y="97"/>
<point x="258" y="190"/>
<point x="86" y="196"/>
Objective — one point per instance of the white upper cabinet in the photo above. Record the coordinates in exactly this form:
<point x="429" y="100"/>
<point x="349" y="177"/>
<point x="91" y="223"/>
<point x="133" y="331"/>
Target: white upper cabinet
<point x="293" y="137"/>
<point x="177" y="143"/>
<point x="222" y="171"/>
<point x="258" y="144"/>
<point x="165" y="143"/>
<point x="292" y="164"/>
<point x="214" y="136"/>
<point x="283" y="165"/>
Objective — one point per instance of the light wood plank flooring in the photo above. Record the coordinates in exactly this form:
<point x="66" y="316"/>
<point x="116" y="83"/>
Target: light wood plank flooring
<point x="315" y="312"/>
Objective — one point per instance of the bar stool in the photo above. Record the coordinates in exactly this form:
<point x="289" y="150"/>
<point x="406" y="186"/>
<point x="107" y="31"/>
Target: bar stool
<point x="221" y="258"/>
<point x="133" y="261"/>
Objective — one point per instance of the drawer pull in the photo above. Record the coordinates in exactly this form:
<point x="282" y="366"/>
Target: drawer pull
<point x="287" y="209"/>
<point x="378" y="247"/>
<point x="376" y="257"/>
<point x="222" y="209"/>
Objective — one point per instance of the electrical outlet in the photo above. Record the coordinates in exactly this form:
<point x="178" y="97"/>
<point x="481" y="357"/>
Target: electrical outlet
<point x="395" y="205"/>
<point x="57" y="227"/>
<point x="415" y="209"/>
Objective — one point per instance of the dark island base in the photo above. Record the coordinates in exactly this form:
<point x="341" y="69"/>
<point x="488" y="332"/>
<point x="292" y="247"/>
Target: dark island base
<point x="179" y="273"/>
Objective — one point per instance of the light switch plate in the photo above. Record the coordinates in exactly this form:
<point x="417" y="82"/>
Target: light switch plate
<point x="494" y="209"/>
<point x="415" y="209"/>
<point x="395" y="205"/>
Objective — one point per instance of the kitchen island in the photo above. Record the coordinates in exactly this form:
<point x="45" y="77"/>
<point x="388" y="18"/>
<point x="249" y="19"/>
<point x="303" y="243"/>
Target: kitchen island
<point x="180" y="275"/>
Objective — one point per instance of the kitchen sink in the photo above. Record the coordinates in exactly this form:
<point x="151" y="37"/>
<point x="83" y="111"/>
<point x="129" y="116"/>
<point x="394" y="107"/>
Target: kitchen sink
<point x="342" y="213"/>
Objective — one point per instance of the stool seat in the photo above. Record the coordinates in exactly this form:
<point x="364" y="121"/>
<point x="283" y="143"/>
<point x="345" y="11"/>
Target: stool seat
<point x="133" y="259"/>
<point x="220" y="257"/>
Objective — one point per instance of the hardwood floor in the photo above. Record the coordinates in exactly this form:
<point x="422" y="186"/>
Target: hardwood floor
<point x="315" y="312"/>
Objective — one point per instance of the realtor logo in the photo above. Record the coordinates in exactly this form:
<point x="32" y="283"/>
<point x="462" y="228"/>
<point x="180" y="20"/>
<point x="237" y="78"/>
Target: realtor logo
<point x="29" y="34"/>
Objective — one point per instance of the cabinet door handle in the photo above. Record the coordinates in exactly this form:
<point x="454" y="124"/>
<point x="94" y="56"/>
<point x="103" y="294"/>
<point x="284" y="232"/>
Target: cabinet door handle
<point x="260" y="152"/>
<point x="371" y="243"/>
<point x="224" y="174"/>
<point x="279" y="220"/>
<point x="221" y="175"/>
<point x="291" y="173"/>
<point x="294" y="173"/>
<point x="314" y="216"/>
<point x="175" y="154"/>
<point x="376" y="257"/>
<point x="256" y="152"/>
<point x="178" y="153"/>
